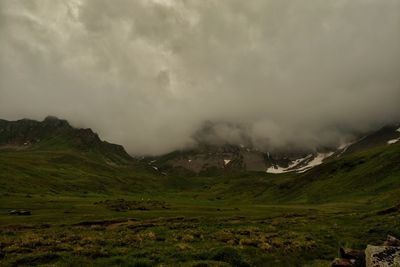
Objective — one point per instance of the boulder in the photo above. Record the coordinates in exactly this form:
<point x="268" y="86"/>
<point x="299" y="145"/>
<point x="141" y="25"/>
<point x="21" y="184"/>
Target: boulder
<point x="382" y="256"/>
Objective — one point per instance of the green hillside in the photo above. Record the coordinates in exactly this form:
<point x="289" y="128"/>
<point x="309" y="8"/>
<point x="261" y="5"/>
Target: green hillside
<point x="92" y="204"/>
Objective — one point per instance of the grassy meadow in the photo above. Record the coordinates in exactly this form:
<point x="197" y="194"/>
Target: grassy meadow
<point x="88" y="212"/>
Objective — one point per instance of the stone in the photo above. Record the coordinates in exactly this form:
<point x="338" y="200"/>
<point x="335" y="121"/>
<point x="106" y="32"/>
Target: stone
<point x="392" y="241"/>
<point x="340" y="262"/>
<point x="349" y="253"/>
<point x="20" y="212"/>
<point x="382" y="256"/>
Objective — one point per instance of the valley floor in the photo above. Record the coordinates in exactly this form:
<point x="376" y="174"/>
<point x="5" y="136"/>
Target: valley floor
<point x="182" y="230"/>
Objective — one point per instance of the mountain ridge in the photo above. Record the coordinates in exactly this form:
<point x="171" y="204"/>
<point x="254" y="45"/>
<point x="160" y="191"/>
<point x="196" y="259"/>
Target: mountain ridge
<point x="53" y="132"/>
<point x="206" y="157"/>
<point x="32" y="134"/>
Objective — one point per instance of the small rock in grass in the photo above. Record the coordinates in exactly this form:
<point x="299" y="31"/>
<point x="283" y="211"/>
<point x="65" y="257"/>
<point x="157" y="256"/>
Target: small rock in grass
<point x="340" y="262"/>
<point x="349" y="253"/>
<point x="20" y="212"/>
<point x="392" y="241"/>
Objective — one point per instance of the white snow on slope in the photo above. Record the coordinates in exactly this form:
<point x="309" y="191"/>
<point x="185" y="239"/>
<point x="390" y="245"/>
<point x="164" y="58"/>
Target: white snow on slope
<point x="343" y="148"/>
<point x="394" y="141"/>
<point x="317" y="160"/>
<point x="276" y="170"/>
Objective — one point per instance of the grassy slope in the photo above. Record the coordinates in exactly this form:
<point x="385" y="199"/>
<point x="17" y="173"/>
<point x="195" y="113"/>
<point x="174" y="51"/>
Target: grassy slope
<point x="65" y="169"/>
<point x="237" y="219"/>
<point x="371" y="174"/>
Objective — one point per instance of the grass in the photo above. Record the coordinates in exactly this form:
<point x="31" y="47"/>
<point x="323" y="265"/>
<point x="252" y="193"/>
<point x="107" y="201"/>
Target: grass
<point x="87" y="211"/>
<point x="73" y="231"/>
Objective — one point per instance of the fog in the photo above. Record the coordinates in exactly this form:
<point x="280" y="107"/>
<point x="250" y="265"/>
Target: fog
<point x="149" y="74"/>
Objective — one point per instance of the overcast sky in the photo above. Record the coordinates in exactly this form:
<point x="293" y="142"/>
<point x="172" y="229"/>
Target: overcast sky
<point x="147" y="74"/>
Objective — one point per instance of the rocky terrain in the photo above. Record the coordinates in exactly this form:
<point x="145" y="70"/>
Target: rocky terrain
<point x="227" y="157"/>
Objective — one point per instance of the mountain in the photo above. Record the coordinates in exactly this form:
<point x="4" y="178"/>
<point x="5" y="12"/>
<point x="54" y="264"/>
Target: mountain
<point x="52" y="133"/>
<point x="53" y="155"/>
<point x="211" y="157"/>
<point x="38" y="156"/>
<point x="387" y="135"/>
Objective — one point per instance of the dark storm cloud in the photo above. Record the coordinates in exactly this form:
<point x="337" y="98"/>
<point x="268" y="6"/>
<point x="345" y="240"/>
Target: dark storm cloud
<point x="147" y="74"/>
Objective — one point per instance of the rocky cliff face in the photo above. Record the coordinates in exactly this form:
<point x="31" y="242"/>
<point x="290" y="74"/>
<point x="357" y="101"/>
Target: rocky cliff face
<point x="53" y="132"/>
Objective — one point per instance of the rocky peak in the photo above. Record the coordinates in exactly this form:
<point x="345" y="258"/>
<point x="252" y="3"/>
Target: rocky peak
<point x="53" y="121"/>
<point x="24" y="134"/>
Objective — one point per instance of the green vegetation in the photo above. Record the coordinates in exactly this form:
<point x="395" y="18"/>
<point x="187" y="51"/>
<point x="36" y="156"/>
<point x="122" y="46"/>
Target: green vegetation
<point x="90" y="209"/>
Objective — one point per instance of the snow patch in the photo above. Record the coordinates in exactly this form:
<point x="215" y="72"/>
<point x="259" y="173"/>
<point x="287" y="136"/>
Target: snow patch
<point x="276" y="170"/>
<point x="298" y="164"/>
<point x="343" y="148"/>
<point x="292" y="167"/>
<point x="393" y="141"/>
<point x="315" y="162"/>
<point x="298" y="161"/>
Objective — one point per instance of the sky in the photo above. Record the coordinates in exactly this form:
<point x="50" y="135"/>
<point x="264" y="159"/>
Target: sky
<point x="153" y="74"/>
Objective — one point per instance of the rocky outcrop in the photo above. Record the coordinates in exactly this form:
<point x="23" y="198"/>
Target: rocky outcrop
<point x="387" y="255"/>
<point x="33" y="134"/>
<point x="382" y="256"/>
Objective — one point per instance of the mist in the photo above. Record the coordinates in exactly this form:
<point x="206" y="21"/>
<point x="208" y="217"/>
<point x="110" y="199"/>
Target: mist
<point x="149" y="74"/>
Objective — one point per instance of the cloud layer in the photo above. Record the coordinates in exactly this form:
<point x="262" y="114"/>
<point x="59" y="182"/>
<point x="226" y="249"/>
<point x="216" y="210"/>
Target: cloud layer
<point x="148" y="73"/>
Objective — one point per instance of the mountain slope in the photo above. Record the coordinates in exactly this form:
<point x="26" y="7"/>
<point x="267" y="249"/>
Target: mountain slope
<point x="371" y="173"/>
<point x="227" y="157"/>
<point x="53" y="133"/>
<point x="371" y="177"/>
<point x="53" y="156"/>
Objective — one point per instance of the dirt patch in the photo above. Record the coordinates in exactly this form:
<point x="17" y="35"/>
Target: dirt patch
<point x="125" y="205"/>
<point x="103" y="222"/>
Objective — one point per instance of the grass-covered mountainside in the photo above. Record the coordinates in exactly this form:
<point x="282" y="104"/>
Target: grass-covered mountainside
<point x="92" y="204"/>
<point x="56" y="134"/>
<point x="52" y="156"/>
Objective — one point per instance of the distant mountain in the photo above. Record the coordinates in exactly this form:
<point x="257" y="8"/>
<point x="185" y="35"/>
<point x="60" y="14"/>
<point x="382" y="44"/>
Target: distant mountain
<point x="52" y="156"/>
<point x="227" y="157"/>
<point x="53" y="133"/>
<point x="387" y="135"/>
